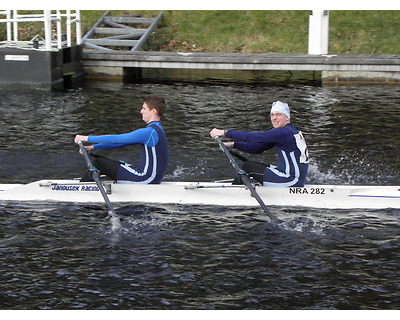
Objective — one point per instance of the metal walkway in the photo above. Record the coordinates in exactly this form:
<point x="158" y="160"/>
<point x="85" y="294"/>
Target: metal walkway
<point x="118" y="34"/>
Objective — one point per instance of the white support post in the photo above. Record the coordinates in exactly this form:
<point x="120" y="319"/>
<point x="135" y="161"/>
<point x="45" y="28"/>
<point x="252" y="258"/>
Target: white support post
<point x="59" y="31"/>
<point x="318" y="32"/>
<point x="15" y="25"/>
<point x="78" y="27"/>
<point x="8" y="16"/>
<point x="68" y="23"/>
<point x="47" y="28"/>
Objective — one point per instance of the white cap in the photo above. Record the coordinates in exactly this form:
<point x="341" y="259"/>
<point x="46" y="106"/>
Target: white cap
<point x="281" y="107"/>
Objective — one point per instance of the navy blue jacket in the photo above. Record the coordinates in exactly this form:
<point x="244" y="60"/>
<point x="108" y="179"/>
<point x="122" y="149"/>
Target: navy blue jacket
<point x="291" y="147"/>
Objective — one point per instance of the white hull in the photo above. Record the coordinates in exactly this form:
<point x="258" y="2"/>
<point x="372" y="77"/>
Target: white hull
<point x="207" y="193"/>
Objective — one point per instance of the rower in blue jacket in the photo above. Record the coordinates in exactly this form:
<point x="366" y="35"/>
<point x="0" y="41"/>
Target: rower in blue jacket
<point x="154" y="148"/>
<point x="292" y="167"/>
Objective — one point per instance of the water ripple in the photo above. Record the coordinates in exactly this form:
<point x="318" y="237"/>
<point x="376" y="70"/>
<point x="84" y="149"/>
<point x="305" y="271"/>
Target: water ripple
<point x="67" y="256"/>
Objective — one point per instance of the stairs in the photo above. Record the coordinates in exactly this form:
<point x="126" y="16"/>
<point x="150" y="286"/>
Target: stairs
<point x="120" y="33"/>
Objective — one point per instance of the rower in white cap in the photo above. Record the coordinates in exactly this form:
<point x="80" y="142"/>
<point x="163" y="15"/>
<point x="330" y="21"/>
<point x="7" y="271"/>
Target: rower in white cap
<point x="292" y="167"/>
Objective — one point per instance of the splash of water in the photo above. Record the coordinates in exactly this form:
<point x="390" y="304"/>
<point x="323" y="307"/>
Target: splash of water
<point x="115" y="221"/>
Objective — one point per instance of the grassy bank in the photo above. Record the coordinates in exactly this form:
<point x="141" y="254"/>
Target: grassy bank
<point x="254" y="31"/>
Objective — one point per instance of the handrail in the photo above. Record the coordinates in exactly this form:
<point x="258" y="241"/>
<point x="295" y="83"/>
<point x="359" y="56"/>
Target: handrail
<point x="47" y="17"/>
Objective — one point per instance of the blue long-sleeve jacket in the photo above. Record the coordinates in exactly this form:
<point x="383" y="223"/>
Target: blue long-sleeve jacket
<point x="154" y="153"/>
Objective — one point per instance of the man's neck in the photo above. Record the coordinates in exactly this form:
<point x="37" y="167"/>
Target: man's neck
<point x="154" y="120"/>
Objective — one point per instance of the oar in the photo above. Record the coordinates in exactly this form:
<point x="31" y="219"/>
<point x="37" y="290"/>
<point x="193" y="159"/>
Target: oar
<point x="238" y="155"/>
<point x="96" y="177"/>
<point x="246" y="180"/>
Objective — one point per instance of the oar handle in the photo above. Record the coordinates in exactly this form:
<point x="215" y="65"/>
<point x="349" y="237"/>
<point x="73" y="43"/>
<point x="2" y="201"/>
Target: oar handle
<point x="86" y="156"/>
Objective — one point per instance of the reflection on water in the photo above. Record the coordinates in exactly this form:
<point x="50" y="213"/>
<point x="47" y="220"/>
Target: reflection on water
<point x="66" y="256"/>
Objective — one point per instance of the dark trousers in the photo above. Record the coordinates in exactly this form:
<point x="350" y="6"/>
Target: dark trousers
<point x="254" y="170"/>
<point x="105" y="165"/>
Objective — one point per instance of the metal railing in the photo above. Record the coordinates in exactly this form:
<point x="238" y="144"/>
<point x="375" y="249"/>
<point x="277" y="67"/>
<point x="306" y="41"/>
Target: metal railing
<point x="53" y="37"/>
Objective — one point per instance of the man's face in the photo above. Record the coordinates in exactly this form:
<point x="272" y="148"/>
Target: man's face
<point x="279" y="120"/>
<point x="147" y="114"/>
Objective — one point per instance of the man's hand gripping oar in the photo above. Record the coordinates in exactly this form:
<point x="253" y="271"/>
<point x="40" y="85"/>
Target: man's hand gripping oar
<point x="96" y="177"/>
<point x="245" y="178"/>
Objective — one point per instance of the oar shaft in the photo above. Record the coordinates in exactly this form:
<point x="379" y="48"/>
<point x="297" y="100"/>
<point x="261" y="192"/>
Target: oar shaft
<point x="86" y="156"/>
<point x="96" y="177"/>
<point x="238" y="155"/>
<point x="245" y="179"/>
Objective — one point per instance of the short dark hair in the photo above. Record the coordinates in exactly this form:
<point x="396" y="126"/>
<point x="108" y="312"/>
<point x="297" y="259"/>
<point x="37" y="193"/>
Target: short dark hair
<point x="156" y="102"/>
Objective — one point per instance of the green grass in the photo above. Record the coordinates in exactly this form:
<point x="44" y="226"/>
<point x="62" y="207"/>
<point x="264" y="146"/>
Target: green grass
<point x="256" y="31"/>
<point x="370" y="32"/>
<point x="232" y="31"/>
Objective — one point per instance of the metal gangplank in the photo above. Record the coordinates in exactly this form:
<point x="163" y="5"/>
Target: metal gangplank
<point x="54" y="21"/>
<point x="120" y="33"/>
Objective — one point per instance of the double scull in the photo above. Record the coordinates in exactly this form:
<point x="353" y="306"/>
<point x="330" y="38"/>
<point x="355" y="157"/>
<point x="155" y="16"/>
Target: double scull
<point x="206" y="193"/>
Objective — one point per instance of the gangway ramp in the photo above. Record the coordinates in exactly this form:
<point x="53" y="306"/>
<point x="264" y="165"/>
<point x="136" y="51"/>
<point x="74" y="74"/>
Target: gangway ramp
<point x="120" y="33"/>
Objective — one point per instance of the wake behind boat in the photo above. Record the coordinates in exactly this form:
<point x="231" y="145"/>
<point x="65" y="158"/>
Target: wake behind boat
<point x="206" y="193"/>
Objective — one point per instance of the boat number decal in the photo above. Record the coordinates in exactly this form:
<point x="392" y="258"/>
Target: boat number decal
<point x="75" y="188"/>
<point x="306" y="190"/>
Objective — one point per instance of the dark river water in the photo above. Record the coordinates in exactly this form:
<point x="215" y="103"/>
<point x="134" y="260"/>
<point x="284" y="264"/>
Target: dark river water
<point x="66" y="256"/>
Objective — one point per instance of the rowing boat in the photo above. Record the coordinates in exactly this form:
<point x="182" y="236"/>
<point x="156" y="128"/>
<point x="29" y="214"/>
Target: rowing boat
<point x="206" y="193"/>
